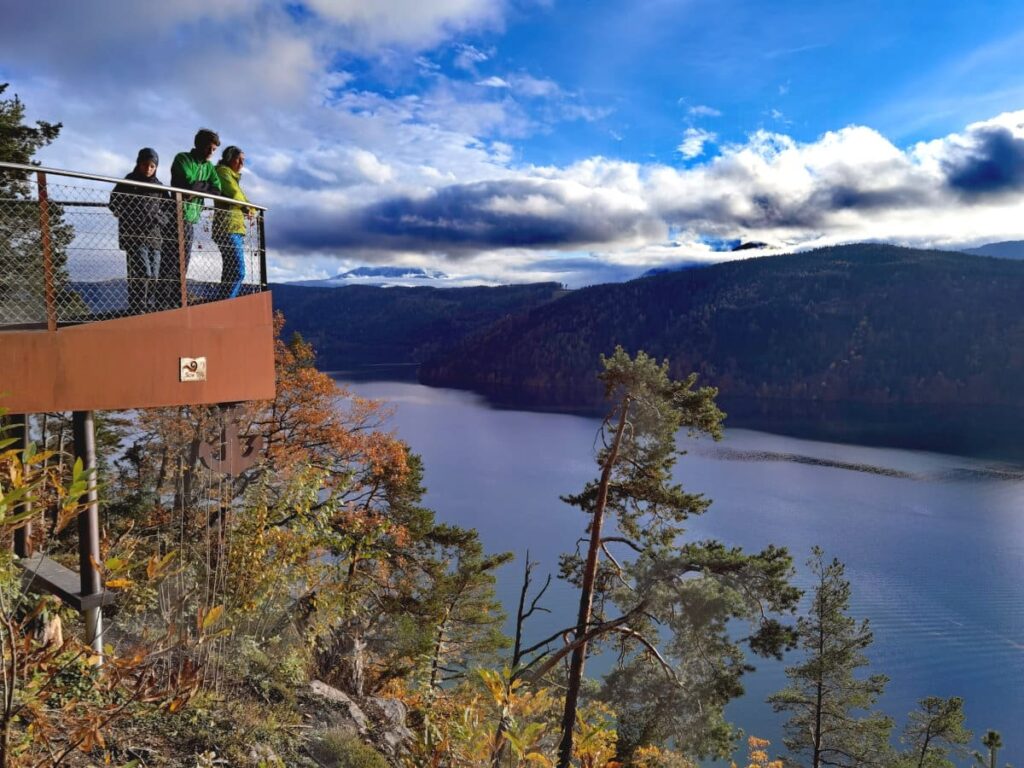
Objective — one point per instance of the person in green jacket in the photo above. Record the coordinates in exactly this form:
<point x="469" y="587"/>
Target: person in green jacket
<point x="190" y="170"/>
<point x="229" y="222"/>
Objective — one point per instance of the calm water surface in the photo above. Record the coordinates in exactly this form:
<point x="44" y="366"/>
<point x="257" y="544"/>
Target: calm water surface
<point x="933" y="544"/>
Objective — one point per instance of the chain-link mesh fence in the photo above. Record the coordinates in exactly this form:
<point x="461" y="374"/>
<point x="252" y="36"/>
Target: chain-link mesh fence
<point x="80" y="249"/>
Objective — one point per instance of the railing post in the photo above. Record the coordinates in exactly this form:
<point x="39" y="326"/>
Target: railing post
<point x="44" y="238"/>
<point x="182" y="259"/>
<point x="262" y="215"/>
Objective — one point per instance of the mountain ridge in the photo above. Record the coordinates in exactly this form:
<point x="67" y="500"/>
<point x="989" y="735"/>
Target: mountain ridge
<point x="359" y="325"/>
<point x="860" y="323"/>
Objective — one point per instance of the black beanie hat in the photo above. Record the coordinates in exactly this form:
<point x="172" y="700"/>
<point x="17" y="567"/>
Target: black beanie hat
<point x="146" y="154"/>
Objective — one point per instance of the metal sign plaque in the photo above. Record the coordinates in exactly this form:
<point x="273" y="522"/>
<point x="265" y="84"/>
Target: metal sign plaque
<point x="192" y="368"/>
<point x="232" y="454"/>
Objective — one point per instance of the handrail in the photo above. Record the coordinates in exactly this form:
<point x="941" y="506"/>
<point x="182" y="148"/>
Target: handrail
<point x="113" y="180"/>
<point x="61" y="265"/>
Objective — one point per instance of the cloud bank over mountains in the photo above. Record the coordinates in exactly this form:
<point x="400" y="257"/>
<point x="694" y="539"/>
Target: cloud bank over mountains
<point x="386" y="133"/>
<point x="849" y="184"/>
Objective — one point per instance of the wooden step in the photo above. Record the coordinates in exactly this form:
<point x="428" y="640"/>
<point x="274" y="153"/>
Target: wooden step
<point x="43" y="574"/>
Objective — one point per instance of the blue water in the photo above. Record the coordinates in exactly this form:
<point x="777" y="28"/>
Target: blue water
<point x="933" y="544"/>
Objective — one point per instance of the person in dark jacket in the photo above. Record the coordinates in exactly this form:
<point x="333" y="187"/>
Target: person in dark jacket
<point x="189" y="170"/>
<point x="141" y="214"/>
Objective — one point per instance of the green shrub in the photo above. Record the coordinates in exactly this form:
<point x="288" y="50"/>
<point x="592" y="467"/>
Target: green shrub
<point x="272" y="672"/>
<point x="337" y="747"/>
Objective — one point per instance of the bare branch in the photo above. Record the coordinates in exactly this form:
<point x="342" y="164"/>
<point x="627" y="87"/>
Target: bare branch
<point x="622" y="540"/>
<point x="618" y="568"/>
<point x="652" y="649"/>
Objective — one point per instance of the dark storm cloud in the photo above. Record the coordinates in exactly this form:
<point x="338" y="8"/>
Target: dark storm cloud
<point x="847" y="197"/>
<point x="467" y="218"/>
<point x="994" y="163"/>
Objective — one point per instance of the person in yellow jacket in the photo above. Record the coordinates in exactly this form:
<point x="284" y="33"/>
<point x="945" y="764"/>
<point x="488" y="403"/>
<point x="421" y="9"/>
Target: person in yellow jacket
<point x="229" y="222"/>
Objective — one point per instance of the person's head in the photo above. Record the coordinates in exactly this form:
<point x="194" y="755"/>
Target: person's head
<point x="205" y="142"/>
<point x="233" y="157"/>
<point x="147" y="161"/>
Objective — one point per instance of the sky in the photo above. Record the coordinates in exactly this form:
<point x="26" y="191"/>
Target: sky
<point x="506" y="141"/>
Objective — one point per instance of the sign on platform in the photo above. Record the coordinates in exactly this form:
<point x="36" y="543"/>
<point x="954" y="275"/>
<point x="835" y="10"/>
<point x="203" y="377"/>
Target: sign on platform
<point x="193" y="368"/>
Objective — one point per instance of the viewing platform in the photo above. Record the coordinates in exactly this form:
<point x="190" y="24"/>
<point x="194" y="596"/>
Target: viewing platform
<point x="106" y="312"/>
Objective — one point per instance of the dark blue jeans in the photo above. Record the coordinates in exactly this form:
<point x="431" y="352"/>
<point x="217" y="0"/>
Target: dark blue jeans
<point x="143" y="267"/>
<point x="232" y="271"/>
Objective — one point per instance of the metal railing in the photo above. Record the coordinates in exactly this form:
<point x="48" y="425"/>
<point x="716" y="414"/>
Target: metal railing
<point x="73" y="250"/>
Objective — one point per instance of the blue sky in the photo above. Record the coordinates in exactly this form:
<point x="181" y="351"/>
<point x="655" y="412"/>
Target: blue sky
<point x="515" y="140"/>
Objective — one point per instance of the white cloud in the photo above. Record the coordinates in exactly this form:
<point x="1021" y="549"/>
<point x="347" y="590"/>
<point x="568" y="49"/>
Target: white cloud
<point x="693" y="142"/>
<point x="533" y="86"/>
<point x="468" y="57"/>
<point x="702" y="110"/>
<point x="413" y="23"/>
<point x="493" y="82"/>
<point x="371" y="167"/>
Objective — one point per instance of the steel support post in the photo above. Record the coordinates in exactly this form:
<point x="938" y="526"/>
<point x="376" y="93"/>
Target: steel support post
<point x="261" y="218"/>
<point x="89" y="529"/>
<point x="18" y="429"/>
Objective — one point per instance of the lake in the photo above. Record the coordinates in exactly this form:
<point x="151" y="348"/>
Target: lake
<point x="933" y="543"/>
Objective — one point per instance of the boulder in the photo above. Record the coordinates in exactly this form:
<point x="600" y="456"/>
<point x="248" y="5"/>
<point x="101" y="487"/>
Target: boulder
<point x="341" y="710"/>
<point x="391" y="734"/>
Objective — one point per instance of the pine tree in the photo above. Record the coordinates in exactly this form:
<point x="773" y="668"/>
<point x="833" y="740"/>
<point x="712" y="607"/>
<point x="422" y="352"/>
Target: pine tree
<point x="644" y="571"/>
<point x="934" y="730"/>
<point x="993" y="742"/>
<point x="831" y="722"/>
<point x="465" y="618"/>
<point x="21" y="270"/>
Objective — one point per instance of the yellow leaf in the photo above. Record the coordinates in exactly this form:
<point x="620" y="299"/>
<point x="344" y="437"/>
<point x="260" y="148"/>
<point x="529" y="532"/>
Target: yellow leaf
<point x="211" y="618"/>
<point x="539" y="759"/>
<point x="156" y="564"/>
<point x="118" y="583"/>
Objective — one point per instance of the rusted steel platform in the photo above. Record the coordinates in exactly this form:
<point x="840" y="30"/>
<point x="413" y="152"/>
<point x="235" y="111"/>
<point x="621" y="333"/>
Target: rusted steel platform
<point x="135" y="362"/>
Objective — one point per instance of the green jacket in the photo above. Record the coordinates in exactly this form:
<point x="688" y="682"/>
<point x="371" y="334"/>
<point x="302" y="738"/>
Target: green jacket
<point x="189" y="173"/>
<point x="229" y="219"/>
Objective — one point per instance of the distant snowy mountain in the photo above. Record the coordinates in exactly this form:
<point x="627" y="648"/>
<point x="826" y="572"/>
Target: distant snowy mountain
<point x="405" y="273"/>
<point x="386" y="276"/>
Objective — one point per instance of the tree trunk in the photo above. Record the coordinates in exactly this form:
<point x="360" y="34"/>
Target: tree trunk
<point x="499" y="735"/>
<point x="435" y="663"/>
<point x="358" y="671"/>
<point x="572" y="692"/>
<point x="924" y="747"/>
<point x="819" y="683"/>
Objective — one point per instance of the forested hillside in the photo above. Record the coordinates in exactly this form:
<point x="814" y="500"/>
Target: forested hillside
<point x="860" y="323"/>
<point x="1009" y="249"/>
<point x="361" y="325"/>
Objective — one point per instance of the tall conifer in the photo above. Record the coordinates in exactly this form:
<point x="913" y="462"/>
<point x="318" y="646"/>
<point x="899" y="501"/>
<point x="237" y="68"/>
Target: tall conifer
<point x="831" y="722"/>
